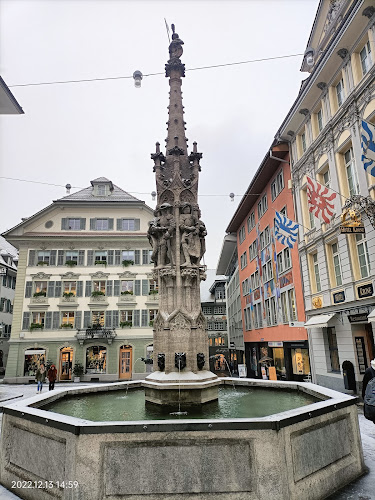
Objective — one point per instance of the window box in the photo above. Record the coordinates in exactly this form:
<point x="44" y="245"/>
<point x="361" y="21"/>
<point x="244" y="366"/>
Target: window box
<point x="36" y="326"/>
<point x="151" y="323"/>
<point x="97" y="293"/>
<point x="66" y="325"/>
<point x="101" y="262"/>
<point x="127" y="292"/>
<point x="153" y="292"/>
<point x="68" y="294"/>
<point x="71" y="263"/>
<point x="127" y="263"/>
<point x="126" y="324"/>
<point x="42" y="263"/>
<point x="40" y="294"/>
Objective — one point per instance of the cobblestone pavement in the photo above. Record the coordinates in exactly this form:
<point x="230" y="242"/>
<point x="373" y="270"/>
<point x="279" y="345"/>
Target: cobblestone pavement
<point x="361" y="489"/>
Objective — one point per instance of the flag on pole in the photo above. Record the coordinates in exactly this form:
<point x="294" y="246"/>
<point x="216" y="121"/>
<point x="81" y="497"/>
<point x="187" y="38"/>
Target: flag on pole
<point x="368" y="147"/>
<point x="320" y="200"/>
<point x="286" y="230"/>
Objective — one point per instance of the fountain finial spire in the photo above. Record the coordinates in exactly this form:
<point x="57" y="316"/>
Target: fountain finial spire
<point x="175" y="70"/>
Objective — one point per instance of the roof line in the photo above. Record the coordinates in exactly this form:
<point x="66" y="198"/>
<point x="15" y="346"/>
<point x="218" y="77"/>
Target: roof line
<point x="5" y="87"/>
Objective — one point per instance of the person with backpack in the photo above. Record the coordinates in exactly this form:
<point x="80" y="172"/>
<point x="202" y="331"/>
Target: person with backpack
<point x="368" y="392"/>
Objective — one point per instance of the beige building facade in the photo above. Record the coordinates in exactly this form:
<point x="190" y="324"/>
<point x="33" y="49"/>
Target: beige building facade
<point x="84" y="291"/>
<point x="323" y="129"/>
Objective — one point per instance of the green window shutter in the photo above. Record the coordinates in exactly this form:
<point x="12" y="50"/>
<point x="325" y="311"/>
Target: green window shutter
<point x="110" y="257"/>
<point x="88" y="289"/>
<point x="144" y="257"/>
<point x="115" y="317"/>
<point x="144" y="317"/>
<point x="56" y="320"/>
<point x="116" y="288"/>
<point x="32" y="257"/>
<point x="28" y="289"/>
<point x="145" y="287"/>
<point x="58" y="288"/>
<point x="109" y="288"/>
<point x="86" y="319"/>
<point x="92" y="224"/>
<point x="136" y="317"/>
<point x="52" y="258"/>
<point x="64" y="224"/>
<point x="51" y="289"/>
<point x="108" y="319"/>
<point x="48" y="322"/>
<point x="119" y="224"/>
<point x="78" y="319"/>
<point x="79" y="288"/>
<point x="60" y="257"/>
<point x="83" y="224"/>
<point x="110" y="224"/>
<point x="2" y="302"/>
<point x="26" y="321"/>
<point x="137" y="257"/>
<point x="137" y="287"/>
<point x="81" y="256"/>
<point x="90" y="257"/>
<point x="117" y="257"/>
<point x="137" y="224"/>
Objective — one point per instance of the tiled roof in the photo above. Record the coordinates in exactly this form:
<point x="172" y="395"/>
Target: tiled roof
<point x="206" y="295"/>
<point x="86" y="194"/>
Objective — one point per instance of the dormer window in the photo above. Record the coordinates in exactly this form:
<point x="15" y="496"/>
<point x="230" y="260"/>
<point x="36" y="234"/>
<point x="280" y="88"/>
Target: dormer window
<point x="101" y="190"/>
<point x="102" y="186"/>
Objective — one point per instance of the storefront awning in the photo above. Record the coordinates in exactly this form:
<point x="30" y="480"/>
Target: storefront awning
<point x="371" y="317"/>
<point x="30" y="352"/>
<point x="319" y="321"/>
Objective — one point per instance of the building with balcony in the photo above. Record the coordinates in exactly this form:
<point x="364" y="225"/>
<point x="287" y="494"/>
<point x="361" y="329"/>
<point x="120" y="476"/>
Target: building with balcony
<point x="266" y="274"/>
<point x="215" y="311"/>
<point x="323" y="129"/>
<point x="8" y="274"/>
<point x="85" y="291"/>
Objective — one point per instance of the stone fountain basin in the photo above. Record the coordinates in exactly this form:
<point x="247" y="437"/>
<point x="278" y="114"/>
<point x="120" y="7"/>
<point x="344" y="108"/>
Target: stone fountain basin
<point x="308" y="452"/>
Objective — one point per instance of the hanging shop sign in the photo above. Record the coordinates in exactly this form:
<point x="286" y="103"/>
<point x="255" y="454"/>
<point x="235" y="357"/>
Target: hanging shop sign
<point x="361" y="354"/>
<point x="351" y="221"/>
<point x="338" y="297"/>
<point x="365" y="291"/>
<point x="357" y="318"/>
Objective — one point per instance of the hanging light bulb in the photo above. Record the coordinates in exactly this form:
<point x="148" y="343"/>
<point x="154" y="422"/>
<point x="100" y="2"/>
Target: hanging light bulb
<point x="231" y="196"/>
<point x="309" y="55"/>
<point x="137" y="75"/>
<point x="153" y="194"/>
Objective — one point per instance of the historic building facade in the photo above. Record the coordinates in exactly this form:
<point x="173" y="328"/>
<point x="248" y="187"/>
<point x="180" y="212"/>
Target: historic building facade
<point x="8" y="275"/>
<point x="269" y="274"/>
<point x="84" y="289"/>
<point x="228" y="266"/>
<point x="323" y="128"/>
<point x="213" y="300"/>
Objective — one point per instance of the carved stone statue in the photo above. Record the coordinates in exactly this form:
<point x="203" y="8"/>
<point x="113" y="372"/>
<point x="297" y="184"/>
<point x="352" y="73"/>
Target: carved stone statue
<point x="190" y="242"/>
<point x="160" y="233"/>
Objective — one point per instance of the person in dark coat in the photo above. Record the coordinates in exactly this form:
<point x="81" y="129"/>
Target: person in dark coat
<point x="52" y="375"/>
<point x="40" y="377"/>
<point x="369" y="374"/>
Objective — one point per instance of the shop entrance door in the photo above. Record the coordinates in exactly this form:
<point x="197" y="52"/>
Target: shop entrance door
<point x="66" y="358"/>
<point x="125" y="362"/>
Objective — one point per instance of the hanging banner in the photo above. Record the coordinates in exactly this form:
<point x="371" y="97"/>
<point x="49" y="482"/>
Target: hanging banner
<point x="351" y="222"/>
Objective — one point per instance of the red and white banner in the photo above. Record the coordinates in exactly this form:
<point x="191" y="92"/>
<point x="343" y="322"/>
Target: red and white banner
<point x="320" y="200"/>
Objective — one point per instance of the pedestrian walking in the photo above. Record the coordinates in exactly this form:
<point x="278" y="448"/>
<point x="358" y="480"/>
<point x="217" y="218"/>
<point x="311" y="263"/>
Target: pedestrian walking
<point x="52" y="376"/>
<point x="368" y="392"/>
<point x="40" y="377"/>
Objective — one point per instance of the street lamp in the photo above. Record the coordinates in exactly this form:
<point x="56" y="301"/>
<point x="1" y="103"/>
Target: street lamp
<point x="137" y="75"/>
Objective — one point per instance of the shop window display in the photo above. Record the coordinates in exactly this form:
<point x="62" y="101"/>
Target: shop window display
<point x="33" y="359"/>
<point x="300" y="361"/>
<point x="96" y="359"/>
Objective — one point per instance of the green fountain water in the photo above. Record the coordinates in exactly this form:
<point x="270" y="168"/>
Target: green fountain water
<point x="128" y="406"/>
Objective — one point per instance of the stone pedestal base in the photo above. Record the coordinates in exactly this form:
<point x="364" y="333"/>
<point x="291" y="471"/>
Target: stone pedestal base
<point x="187" y="388"/>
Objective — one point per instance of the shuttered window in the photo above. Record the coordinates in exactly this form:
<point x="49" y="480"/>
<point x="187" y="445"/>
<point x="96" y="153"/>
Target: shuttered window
<point x="144" y="317"/>
<point x="145" y="287"/>
<point x="108" y="319"/>
<point x="109" y="288"/>
<point x="116" y="288"/>
<point x="100" y="224"/>
<point x="128" y="224"/>
<point x="56" y="320"/>
<point x="48" y="320"/>
<point x="28" y="289"/>
<point x="88" y="289"/>
<point x="115" y="319"/>
<point x="137" y="287"/>
<point x="58" y="289"/>
<point x="79" y="292"/>
<point x="136" y="317"/>
<point x="78" y="320"/>
<point x="32" y="257"/>
<point x="26" y="321"/>
<point x="51" y="289"/>
<point x="86" y="319"/>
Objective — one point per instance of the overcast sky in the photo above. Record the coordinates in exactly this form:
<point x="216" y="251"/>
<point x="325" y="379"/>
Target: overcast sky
<point x="73" y="133"/>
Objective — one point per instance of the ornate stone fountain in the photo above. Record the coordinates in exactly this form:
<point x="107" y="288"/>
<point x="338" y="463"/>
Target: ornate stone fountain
<point x="177" y="235"/>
